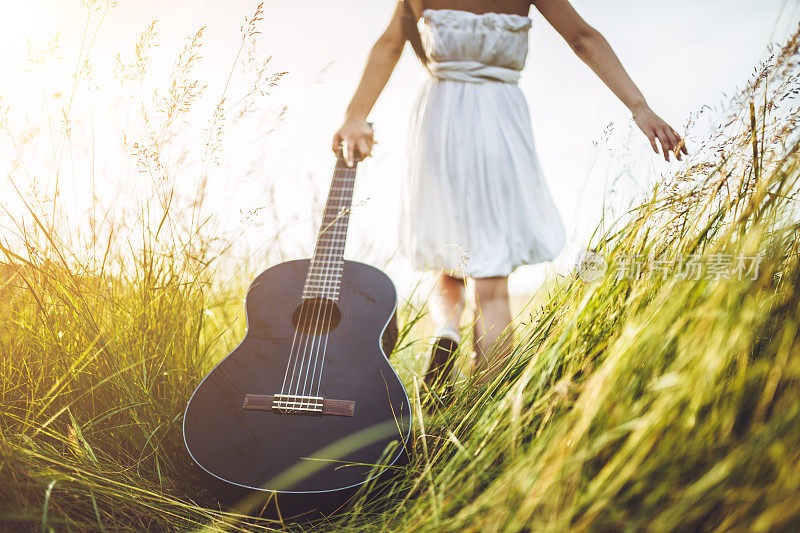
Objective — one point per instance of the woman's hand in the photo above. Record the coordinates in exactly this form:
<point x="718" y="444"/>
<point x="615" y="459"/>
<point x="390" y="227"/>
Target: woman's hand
<point x="655" y="128"/>
<point x="355" y="136"/>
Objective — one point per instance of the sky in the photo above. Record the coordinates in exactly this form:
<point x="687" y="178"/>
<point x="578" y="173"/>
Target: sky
<point x="683" y="55"/>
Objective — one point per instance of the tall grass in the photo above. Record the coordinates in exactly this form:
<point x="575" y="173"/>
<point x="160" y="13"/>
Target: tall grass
<point x="653" y="401"/>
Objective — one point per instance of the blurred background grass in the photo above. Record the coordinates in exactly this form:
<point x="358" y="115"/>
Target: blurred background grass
<point x="658" y="401"/>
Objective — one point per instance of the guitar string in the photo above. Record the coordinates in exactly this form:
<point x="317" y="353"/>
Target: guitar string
<point x="351" y="186"/>
<point x="306" y="336"/>
<point x="291" y="351"/>
<point x="326" y="265"/>
<point x="294" y="356"/>
<point x="317" y="262"/>
<point x="329" y="267"/>
<point x="338" y="240"/>
<point x="333" y="271"/>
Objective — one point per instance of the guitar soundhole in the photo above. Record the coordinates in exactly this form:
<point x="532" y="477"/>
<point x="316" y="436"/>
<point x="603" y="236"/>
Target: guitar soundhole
<point x="316" y="316"/>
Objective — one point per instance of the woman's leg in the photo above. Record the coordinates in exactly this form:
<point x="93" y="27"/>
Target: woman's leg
<point x="493" y="336"/>
<point x="448" y="302"/>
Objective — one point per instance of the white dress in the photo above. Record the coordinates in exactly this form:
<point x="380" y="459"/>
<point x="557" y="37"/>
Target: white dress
<point x="474" y="202"/>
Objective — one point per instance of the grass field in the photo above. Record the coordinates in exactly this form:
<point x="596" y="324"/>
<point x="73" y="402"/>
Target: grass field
<point x="657" y="401"/>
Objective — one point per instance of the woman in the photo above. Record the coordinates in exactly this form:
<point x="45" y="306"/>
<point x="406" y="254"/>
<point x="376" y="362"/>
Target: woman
<point x="475" y="204"/>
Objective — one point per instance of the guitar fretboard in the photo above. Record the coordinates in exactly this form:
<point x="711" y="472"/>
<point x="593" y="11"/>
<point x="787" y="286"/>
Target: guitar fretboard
<point x="325" y="269"/>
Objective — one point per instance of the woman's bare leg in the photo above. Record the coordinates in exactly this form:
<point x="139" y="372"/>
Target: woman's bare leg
<point x="493" y="337"/>
<point x="448" y="301"/>
<point x="447" y="304"/>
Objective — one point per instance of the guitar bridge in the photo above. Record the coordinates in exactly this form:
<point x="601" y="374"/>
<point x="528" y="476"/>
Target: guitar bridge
<point x="298" y="405"/>
<point x="291" y="403"/>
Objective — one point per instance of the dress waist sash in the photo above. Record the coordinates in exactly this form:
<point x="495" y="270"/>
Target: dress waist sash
<point x="472" y="71"/>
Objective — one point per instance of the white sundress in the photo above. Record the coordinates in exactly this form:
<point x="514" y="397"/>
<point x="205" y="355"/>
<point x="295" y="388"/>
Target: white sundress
<point x="474" y="202"/>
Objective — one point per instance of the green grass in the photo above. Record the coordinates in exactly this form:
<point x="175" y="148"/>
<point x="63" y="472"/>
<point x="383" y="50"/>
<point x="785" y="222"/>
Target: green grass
<point x="630" y="403"/>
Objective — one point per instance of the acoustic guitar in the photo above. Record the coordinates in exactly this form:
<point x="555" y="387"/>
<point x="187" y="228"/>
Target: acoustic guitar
<point x="307" y="409"/>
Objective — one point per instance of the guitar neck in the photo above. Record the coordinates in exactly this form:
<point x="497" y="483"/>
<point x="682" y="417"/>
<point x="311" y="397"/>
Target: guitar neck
<point x="325" y="269"/>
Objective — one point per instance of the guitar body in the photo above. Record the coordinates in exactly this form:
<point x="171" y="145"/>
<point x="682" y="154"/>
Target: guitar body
<point x="303" y="461"/>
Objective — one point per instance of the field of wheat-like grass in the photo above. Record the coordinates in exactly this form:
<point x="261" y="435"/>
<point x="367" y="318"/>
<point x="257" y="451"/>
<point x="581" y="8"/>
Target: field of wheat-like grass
<point x="660" y="393"/>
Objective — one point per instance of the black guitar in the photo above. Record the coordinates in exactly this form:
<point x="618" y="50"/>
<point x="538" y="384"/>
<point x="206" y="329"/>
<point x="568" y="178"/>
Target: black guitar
<point x="307" y="409"/>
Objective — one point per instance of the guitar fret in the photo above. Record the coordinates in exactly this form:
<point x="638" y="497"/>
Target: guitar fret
<point x="333" y="297"/>
<point x="321" y="293"/>
<point x="325" y="268"/>
<point x="324" y="278"/>
<point x="337" y="224"/>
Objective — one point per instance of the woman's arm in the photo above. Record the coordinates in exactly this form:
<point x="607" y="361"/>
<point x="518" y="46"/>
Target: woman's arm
<point x="355" y="133"/>
<point x="594" y="50"/>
